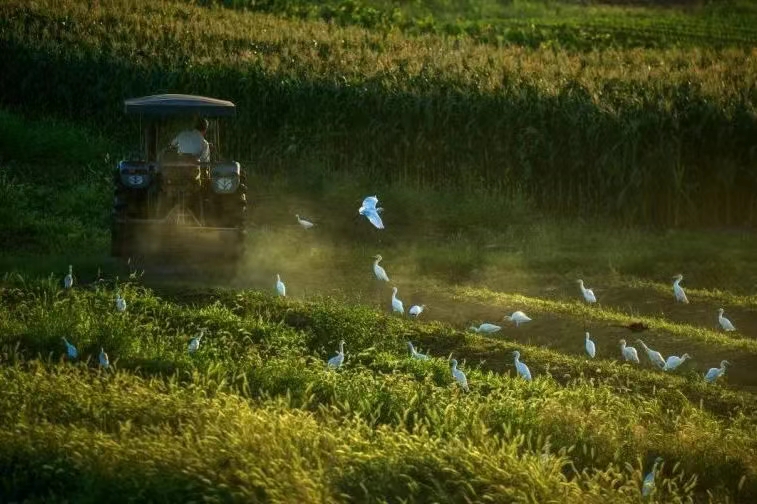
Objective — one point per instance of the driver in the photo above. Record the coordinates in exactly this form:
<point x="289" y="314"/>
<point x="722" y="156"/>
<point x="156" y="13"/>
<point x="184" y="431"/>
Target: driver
<point x="193" y="141"/>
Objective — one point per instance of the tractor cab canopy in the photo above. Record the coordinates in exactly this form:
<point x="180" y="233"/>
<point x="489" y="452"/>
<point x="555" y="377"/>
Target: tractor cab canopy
<point x="179" y="104"/>
<point x="163" y="116"/>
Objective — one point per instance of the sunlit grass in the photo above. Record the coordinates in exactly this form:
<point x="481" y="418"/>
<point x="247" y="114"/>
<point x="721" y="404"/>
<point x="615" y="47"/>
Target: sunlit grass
<point x="260" y="348"/>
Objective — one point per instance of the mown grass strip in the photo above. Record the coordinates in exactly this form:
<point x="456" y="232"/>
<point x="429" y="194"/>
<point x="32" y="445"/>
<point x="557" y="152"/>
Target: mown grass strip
<point x="721" y="297"/>
<point x="588" y="312"/>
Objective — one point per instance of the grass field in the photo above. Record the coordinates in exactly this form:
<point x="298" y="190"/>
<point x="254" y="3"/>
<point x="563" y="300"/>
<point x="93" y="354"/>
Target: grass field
<point x="377" y="101"/>
<point x="169" y="425"/>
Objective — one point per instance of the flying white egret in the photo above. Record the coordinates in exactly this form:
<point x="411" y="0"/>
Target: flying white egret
<point x="486" y="328"/>
<point x="521" y="367"/>
<point x="588" y="293"/>
<point x="415" y="353"/>
<point x="371" y="212"/>
<point x="654" y="356"/>
<point x="416" y="310"/>
<point x="280" y="287"/>
<point x="68" y="280"/>
<point x="724" y="322"/>
<point x="304" y="223"/>
<point x="337" y="360"/>
<point x="518" y="317"/>
<point x="378" y="270"/>
<point x="194" y="343"/>
<point x="674" y="361"/>
<point x="396" y="303"/>
<point x="629" y="352"/>
<point x="715" y="373"/>
<point x="648" y="484"/>
<point x="459" y="376"/>
<point x="120" y="302"/>
<point x="70" y="349"/>
<point x="678" y="290"/>
<point x="591" y="348"/>
<point x="104" y="362"/>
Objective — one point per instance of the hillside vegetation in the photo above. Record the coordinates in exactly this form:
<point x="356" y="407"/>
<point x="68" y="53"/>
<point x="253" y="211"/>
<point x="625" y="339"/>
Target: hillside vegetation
<point x="642" y="135"/>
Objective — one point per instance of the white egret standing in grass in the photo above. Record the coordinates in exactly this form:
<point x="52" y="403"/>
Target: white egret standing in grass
<point x="304" y="223"/>
<point x="674" y="361"/>
<point x="715" y="373"/>
<point x="280" y="287"/>
<point x="70" y="349"/>
<point x="678" y="290"/>
<point x="588" y="293"/>
<point x="591" y="348"/>
<point x="629" y="352"/>
<point x="518" y="317"/>
<point x="104" y="362"/>
<point x="724" y="322"/>
<point x="416" y="310"/>
<point x="68" y="280"/>
<point x="486" y="328"/>
<point x="521" y="367"/>
<point x="120" y="302"/>
<point x="397" y="305"/>
<point x="371" y="212"/>
<point x="415" y="353"/>
<point x="648" y="485"/>
<point x="459" y="376"/>
<point x="194" y="343"/>
<point x="337" y="360"/>
<point x="654" y="356"/>
<point x="378" y="270"/>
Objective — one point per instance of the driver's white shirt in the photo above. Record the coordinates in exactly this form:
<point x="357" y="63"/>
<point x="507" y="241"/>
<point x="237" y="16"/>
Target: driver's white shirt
<point x="192" y="142"/>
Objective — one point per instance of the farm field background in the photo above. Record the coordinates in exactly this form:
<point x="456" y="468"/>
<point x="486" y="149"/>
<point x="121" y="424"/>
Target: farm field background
<point x="516" y="148"/>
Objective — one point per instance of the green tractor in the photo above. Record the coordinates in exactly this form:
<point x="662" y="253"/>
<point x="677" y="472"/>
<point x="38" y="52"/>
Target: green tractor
<point x="174" y="205"/>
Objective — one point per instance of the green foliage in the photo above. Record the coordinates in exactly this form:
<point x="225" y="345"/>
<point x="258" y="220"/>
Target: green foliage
<point x="532" y="23"/>
<point x="54" y="191"/>
<point x="255" y="412"/>
<point x="47" y="146"/>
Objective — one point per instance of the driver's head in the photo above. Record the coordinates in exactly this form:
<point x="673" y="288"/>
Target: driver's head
<point x="201" y="125"/>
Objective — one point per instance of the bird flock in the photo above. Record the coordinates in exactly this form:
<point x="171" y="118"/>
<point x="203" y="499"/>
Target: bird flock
<point x="371" y="211"/>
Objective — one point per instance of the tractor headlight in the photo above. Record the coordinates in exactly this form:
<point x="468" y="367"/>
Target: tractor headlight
<point x="134" y="174"/>
<point x="224" y="184"/>
<point x="225" y="177"/>
<point x="136" y="180"/>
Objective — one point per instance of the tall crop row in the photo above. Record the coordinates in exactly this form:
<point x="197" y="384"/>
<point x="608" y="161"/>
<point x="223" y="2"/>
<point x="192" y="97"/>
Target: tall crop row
<point x="664" y="137"/>
<point x="506" y="24"/>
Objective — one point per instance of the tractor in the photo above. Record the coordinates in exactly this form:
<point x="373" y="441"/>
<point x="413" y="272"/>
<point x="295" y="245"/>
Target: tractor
<point x="177" y="206"/>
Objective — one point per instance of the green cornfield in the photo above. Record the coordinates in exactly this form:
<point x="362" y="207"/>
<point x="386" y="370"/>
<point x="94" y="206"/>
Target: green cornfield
<point x="642" y="135"/>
